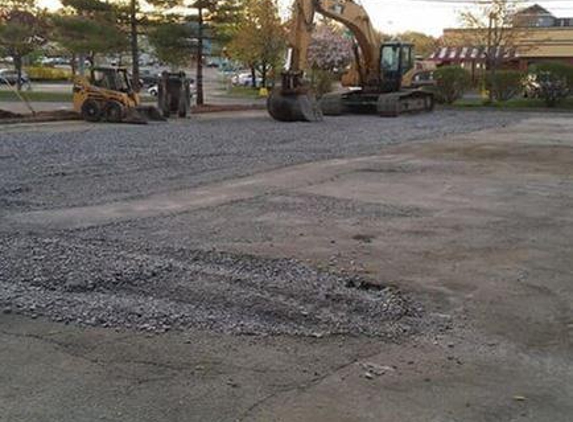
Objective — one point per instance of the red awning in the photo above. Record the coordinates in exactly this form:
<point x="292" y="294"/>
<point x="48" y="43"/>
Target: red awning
<point x="461" y="54"/>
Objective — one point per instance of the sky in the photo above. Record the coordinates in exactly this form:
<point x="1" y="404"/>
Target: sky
<point x="428" y="16"/>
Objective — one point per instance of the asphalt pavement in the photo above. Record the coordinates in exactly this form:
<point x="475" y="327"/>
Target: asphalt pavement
<point x="230" y="267"/>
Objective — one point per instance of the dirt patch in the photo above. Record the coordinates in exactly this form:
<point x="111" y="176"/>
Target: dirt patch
<point x="213" y="108"/>
<point x="7" y="117"/>
<point x="5" y="114"/>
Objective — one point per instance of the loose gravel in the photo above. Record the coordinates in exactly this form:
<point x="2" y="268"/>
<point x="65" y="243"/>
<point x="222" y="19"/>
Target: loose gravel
<point x="105" y="284"/>
<point x="112" y="276"/>
<point x="102" y="163"/>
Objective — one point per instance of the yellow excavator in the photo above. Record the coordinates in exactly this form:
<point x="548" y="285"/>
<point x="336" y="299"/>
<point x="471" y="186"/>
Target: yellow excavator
<point x="107" y="95"/>
<point x="383" y="69"/>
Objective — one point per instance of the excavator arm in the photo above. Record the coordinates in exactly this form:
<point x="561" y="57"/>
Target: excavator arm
<point x="293" y="101"/>
<point x="348" y="13"/>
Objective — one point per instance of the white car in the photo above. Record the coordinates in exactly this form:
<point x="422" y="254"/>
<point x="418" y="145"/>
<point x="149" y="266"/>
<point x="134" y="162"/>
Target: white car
<point x="10" y="76"/>
<point x="245" y="79"/>
<point x="154" y="90"/>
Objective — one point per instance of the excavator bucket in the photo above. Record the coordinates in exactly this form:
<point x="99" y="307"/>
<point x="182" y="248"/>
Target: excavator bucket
<point x="293" y="107"/>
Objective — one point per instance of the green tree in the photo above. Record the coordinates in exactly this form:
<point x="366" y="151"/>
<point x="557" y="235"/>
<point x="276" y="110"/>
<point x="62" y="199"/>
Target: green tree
<point x="259" y="38"/>
<point x="87" y="28"/>
<point x="424" y="44"/>
<point x="131" y="21"/>
<point x="490" y="26"/>
<point x="208" y="18"/>
<point x="174" y="42"/>
<point x="22" y="31"/>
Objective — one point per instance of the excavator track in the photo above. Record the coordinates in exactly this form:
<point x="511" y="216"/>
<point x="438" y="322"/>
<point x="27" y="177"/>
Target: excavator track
<point x="404" y="102"/>
<point x="387" y="105"/>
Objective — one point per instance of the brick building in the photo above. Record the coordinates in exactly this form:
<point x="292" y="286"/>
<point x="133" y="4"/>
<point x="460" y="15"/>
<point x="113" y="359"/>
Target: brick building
<point x="539" y="37"/>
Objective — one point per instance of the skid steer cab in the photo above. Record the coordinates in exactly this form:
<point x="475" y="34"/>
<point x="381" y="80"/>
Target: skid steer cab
<point x="107" y="95"/>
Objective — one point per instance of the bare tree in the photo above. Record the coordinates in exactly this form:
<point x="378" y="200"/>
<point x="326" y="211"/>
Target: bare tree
<point x="491" y="27"/>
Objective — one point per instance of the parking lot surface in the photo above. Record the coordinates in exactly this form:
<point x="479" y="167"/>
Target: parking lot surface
<point x="235" y="268"/>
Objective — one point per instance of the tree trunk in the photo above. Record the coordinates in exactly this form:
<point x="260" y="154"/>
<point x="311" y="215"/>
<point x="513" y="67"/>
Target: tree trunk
<point x="73" y="64"/>
<point x="81" y="64"/>
<point x="18" y="65"/>
<point x="200" y="98"/>
<point x="253" y="77"/>
<point x="134" y="45"/>
<point x="91" y="59"/>
<point x="263" y="75"/>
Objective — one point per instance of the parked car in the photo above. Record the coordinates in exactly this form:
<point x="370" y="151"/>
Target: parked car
<point x="154" y="89"/>
<point x="245" y="79"/>
<point x="55" y="61"/>
<point x="531" y="86"/>
<point x="10" y="76"/>
<point x="149" y="76"/>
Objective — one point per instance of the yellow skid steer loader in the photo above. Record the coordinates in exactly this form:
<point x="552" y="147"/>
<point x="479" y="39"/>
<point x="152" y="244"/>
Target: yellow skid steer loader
<point x="107" y="95"/>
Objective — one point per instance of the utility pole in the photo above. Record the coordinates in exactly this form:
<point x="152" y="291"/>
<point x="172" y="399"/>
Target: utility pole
<point x="489" y="62"/>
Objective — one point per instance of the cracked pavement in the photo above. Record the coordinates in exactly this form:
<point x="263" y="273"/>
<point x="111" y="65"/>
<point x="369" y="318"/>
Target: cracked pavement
<point x="475" y="228"/>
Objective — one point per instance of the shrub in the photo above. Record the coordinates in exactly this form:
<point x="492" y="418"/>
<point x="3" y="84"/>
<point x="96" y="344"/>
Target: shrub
<point x="451" y="83"/>
<point x="42" y="73"/>
<point x="505" y="84"/>
<point x="554" y="82"/>
<point x="321" y="82"/>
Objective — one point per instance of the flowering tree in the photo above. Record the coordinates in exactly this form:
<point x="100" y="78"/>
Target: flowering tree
<point x="329" y="50"/>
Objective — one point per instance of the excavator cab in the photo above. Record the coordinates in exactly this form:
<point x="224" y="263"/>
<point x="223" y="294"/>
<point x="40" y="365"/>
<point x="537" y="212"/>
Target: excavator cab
<point x="396" y="58"/>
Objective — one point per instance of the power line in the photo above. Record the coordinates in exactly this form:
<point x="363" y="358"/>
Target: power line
<point x="468" y="2"/>
<point x="428" y="5"/>
<point x="476" y="2"/>
<point x="450" y="3"/>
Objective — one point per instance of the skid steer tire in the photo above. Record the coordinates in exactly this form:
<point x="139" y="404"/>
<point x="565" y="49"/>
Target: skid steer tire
<point x="114" y="112"/>
<point x="91" y="111"/>
<point x="182" y="109"/>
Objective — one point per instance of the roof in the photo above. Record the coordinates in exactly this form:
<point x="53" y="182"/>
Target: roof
<point x="534" y="10"/>
<point x="467" y="53"/>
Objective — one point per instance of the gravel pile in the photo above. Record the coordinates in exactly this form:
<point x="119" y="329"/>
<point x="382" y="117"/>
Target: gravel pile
<point x="155" y="274"/>
<point x="103" y="284"/>
<point x="98" y="164"/>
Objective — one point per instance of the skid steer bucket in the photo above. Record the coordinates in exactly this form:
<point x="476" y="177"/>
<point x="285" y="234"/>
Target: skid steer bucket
<point x="142" y="115"/>
<point x="151" y="113"/>
<point x="293" y="107"/>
